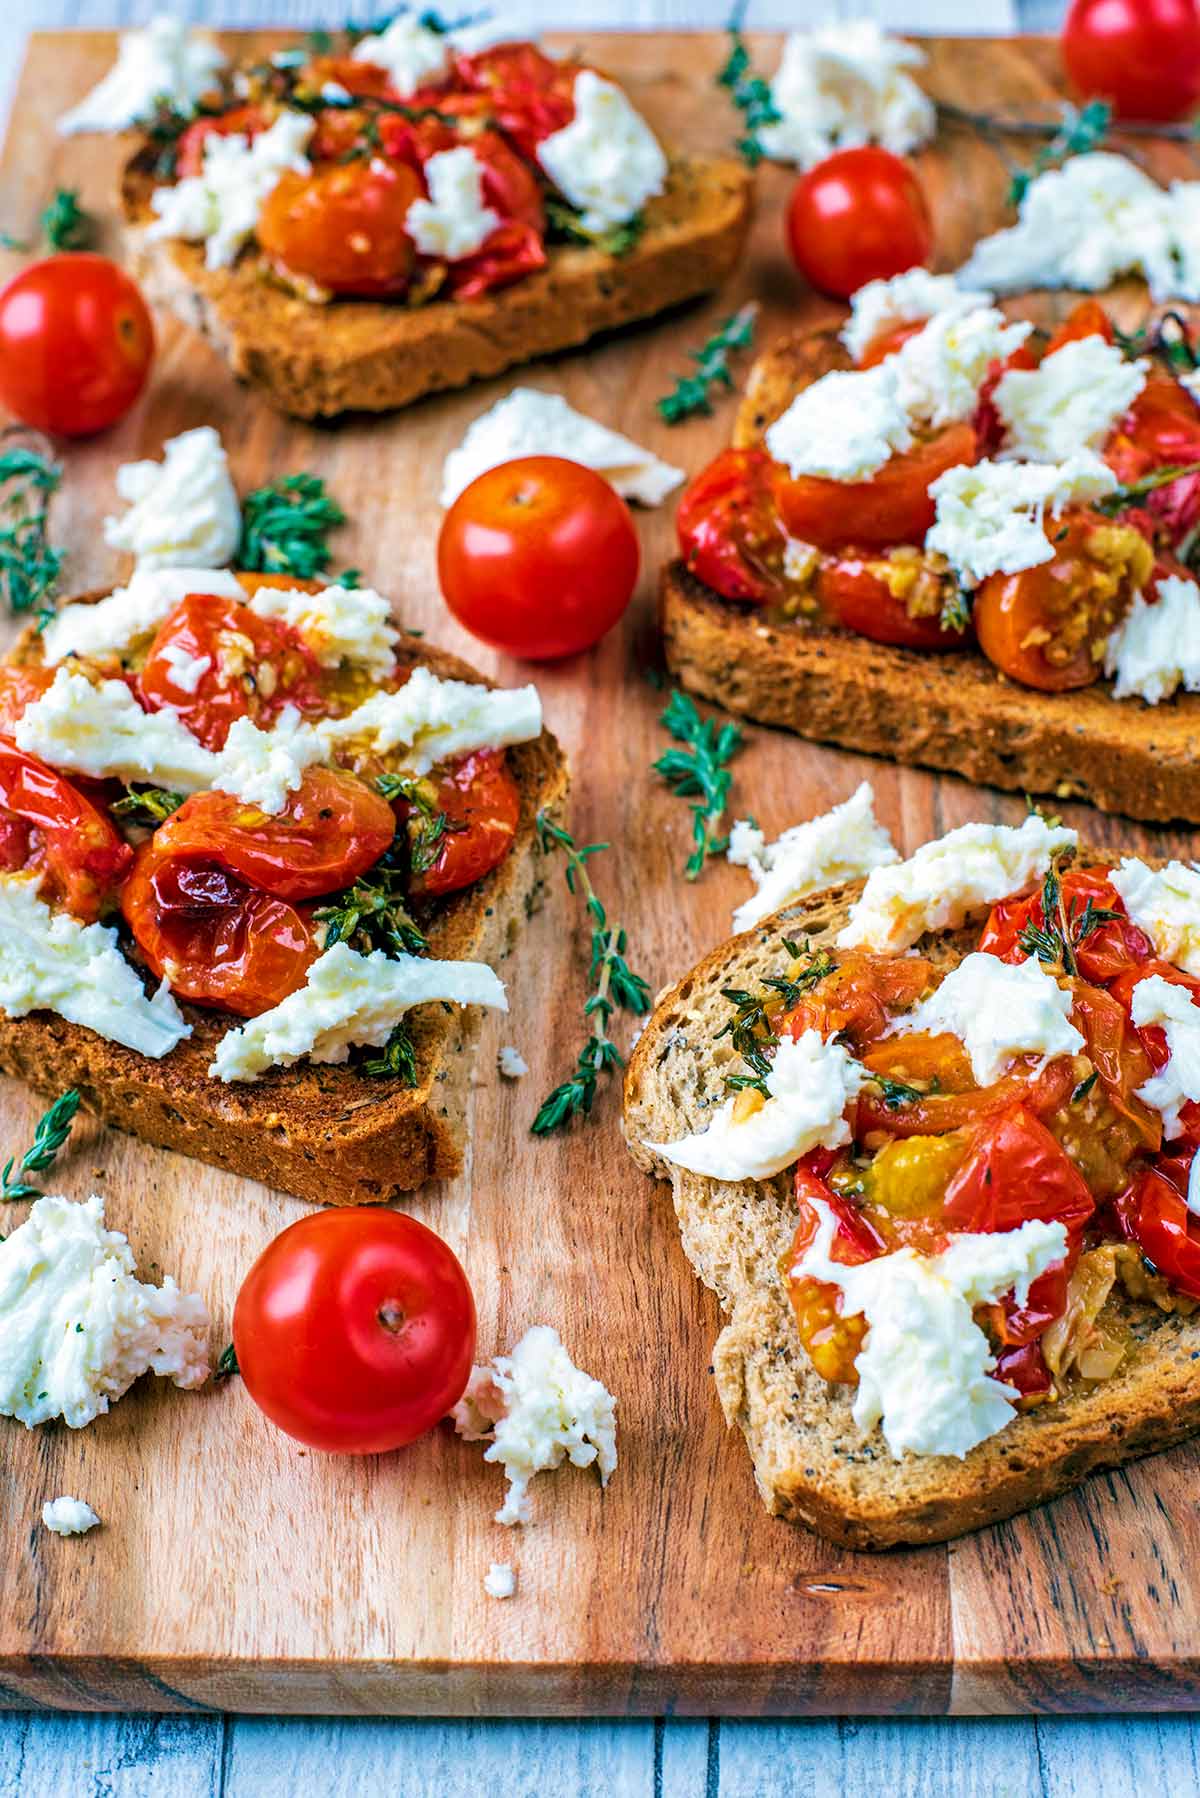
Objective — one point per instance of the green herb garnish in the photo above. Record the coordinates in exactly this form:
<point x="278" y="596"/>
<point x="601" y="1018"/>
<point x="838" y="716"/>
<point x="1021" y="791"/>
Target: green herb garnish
<point x="956" y="611"/>
<point x="750" y="1029"/>
<point x="748" y="91"/>
<point x="29" y="566"/>
<point x="1085" y="1086"/>
<point x="1064" y="928"/>
<point x="693" y="393"/>
<point x="895" y="1092"/>
<point x="286" y="525"/>
<point x="398" y="1061"/>
<point x="613" y="982"/>
<point x="146" y="805"/>
<point x="427" y="827"/>
<point x="54" y="1127"/>
<point x="1080" y="130"/>
<point x="65" y="225"/>
<point x="227" y="1364"/>
<point x="614" y="240"/>
<point x="372" y="913"/>
<point x="1130" y="492"/>
<point x="699" y="770"/>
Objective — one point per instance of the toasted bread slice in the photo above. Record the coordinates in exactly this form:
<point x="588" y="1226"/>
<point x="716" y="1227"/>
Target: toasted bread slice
<point x="811" y="1463"/>
<point x="955" y="711"/>
<point x="316" y="360"/>
<point x="328" y="1133"/>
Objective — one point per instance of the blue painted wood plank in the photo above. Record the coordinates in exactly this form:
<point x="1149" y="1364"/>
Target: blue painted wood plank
<point x="1111" y="1757"/>
<point x="51" y="1756"/>
<point x="903" y="1758"/>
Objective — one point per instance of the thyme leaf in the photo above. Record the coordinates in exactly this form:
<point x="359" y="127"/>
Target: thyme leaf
<point x="750" y="1029"/>
<point x="54" y="1127"/>
<point x="956" y="611"/>
<point x="372" y="914"/>
<point x="1080" y="130"/>
<point x="65" y="225"/>
<point x="699" y="770"/>
<point x="398" y="1061"/>
<point x="427" y="827"/>
<point x="896" y="1093"/>
<point x="1063" y="928"/>
<point x="616" y="240"/>
<point x="146" y="805"/>
<point x="227" y="1364"/>
<point x="29" y="565"/>
<point x="693" y="393"/>
<point x="748" y="91"/>
<point x="1131" y="491"/>
<point x="286" y="526"/>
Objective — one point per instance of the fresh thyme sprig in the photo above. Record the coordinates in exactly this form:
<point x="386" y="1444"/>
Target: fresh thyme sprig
<point x="398" y="1060"/>
<point x="616" y="240"/>
<point x="286" y="526"/>
<point x="29" y="565"/>
<point x="372" y="913"/>
<point x="64" y="224"/>
<point x="693" y="393"/>
<point x="748" y="91"/>
<point x="146" y="805"/>
<point x="614" y="985"/>
<point x="1080" y="131"/>
<point x="750" y="1028"/>
<point x="427" y="826"/>
<point x="54" y="1127"/>
<point x="227" y="1364"/>
<point x="1064" y="927"/>
<point x="699" y="770"/>
<point x="1131" y="491"/>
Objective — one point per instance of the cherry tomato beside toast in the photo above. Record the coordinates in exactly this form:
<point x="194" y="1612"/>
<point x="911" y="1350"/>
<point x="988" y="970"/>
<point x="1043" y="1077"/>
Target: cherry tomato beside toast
<point x="858" y="216"/>
<point x="76" y="344"/>
<point x="355" y="1330"/>
<point x="1143" y="56"/>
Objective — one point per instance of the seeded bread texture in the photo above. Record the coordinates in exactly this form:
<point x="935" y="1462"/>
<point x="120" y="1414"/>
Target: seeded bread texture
<point x="327" y="1134"/>
<point x="955" y="712"/>
<point x="811" y="1463"/>
<point x="318" y="360"/>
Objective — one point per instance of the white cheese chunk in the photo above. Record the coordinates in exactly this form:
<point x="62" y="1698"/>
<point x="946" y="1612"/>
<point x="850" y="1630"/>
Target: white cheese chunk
<point x="264" y="766"/>
<point x="164" y="60"/>
<point x="998" y="1010"/>
<point x="1193" y="1187"/>
<point x="904" y="300"/>
<point x="184" y="510"/>
<point x="351" y="625"/>
<point x="77" y="1327"/>
<point x="101" y="730"/>
<point x="607" y="162"/>
<point x="431" y="720"/>
<point x="1160" y="1002"/>
<point x="947" y="880"/>
<point x="940" y="371"/>
<point x="453" y="222"/>
<point x="49" y="961"/>
<point x="413" y="54"/>
<point x="1071" y="401"/>
<point x="925" y="1367"/>
<point x="511" y="1062"/>
<point x="842" y="85"/>
<point x="991" y="516"/>
<point x="131" y="613"/>
<point x="349" y="999"/>
<point x="536" y="1409"/>
<point x="1165" y="903"/>
<point x="219" y="207"/>
<point x="843" y="427"/>
<point x="500" y="1581"/>
<point x="69" y="1516"/>
<point x="1155" y="649"/>
<point x="810" y="1085"/>
<point x="840" y="845"/>
<point x="528" y="422"/>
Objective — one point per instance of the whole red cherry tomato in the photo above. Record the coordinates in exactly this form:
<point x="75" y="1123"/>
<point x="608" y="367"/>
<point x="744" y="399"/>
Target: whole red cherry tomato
<point x="355" y="1330"/>
<point x="858" y="216"/>
<point x="481" y="803"/>
<point x="538" y="557"/>
<point x="1143" y="56"/>
<point x="76" y="343"/>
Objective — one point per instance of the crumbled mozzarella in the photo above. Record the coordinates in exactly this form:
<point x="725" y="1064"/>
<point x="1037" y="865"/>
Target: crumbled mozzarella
<point x="991" y="516"/>
<point x="77" y="1327"/>
<point x="538" y="1410"/>
<point x="528" y="422"/>
<point x="49" y="961"/>
<point x="500" y="1581"/>
<point x="413" y="54"/>
<point x="349" y="999"/>
<point x="432" y="720"/>
<point x="1160" y="1002"/>
<point x="938" y="888"/>
<point x="511" y="1062"/>
<point x="840" y="845"/>
<point x="902" y="300"/>
<point x="607" y="162"/>
<point x="843" y="427"/>
<point x="1156" y="647"/>
<point x="998" y="1010"/>
<point x="163" y="61"/>
<point x="453" y="222"/>
<point x="809" y="1086"/>
<point x="262" y="767"/>
<point x="939" y="372"/>
<point x="1165" y="903"/>
<point x="186" y="670"/>
<point x="1070" y="401"/>
<point x="219" y="207"/>
<point x="842" y="85"/>
<point x="101" y="730"/>
<point x="351" y="625"/>
<point x="69" y="1516"/>
<point x="131" y="612"/>
<point x="184" y="510"/>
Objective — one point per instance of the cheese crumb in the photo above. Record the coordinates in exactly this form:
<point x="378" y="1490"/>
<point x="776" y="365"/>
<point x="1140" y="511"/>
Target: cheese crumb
<point x="607" y="162"/>
<point x="991" y="516"/>
<point x="163" y="61"/>
<point x="1155" y="649"/>
<point x="998" y="1010"/>
<point x="453" y="222"/>
<point x="511" y="1062"/>
<point x="130" y="613"/>
<point x="219" y="207"/>
<point x="500" y="1581"/>
<point x="1070" y="401"/>
<point x="904" y="299"/>
<point x="528" y="422"/>
<point x="184" y="510"/>
<point x="1160" y="1002"/>
<point x="1165" y="903"/>
<point x="69" y="1516"/>
<point x="840" y="845"/>
<point x="433" y="720"/>
<point x="842" y="85"/>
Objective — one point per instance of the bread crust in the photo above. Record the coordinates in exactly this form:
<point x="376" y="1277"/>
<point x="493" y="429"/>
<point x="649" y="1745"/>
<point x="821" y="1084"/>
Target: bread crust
<point x="955" y="712"/>
<point x="315" y="360"/>
<point x="326" y="1134"/>
<point x="811" y="1463"/>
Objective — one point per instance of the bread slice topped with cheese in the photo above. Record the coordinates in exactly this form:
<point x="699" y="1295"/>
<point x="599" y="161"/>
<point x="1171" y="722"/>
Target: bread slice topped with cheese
<point x="415" y="209"/>
<point x="259" y="853"/>
<point x="930" y="1141"/>
<point x="948" y="539"/>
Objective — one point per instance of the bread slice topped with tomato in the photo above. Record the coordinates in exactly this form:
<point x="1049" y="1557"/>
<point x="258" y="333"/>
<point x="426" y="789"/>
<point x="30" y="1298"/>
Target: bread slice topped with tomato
<point x="930" y="1139"/>
<point x="259" y="853"/>
<point x="418" y="209"/>
<point x="950" y="539"/>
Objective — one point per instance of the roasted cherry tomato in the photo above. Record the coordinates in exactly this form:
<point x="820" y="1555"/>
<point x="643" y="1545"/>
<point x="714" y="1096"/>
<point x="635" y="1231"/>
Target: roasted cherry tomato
<point x="19" y="687"/>
<point x="729" y="529"/>
<point x="538" y="557"/>
<point x="858" y="216"/>
<point x="1161" y="430"/>
<point x="955" y="1103"/>
<point x="1143" y="56"/>
<point x="1025" y="1368"/>
<point x="243" y="121"/>
<point x="49" y="826"/>
<point x="1087" y="318"/>
<point x="362" y="80"/>
<point x="214" y="660"/>
<point x="481" y="804"/>
<point x="344" y="226"/>
<point x="76" y="343"/>
<point x="860" y="997"/>
<point x="1047" y="625"/>
<point x="1163" y="1227"/>
<point x="355" y="1330"/>
<point x="1119" y="1057"/>
<point x="1103" y="950"/>
<point x="526" y="93"/>
<point x="893" y="507"/>
<point x="831" y="1340"/>
<point x="865" y="595"/>
<point x="1016" y="1171"/>
<point x="893" y="337"/>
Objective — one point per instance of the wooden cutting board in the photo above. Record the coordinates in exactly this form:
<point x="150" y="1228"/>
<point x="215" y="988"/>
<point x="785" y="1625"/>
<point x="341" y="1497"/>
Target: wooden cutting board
<point x="235" y="1571"/>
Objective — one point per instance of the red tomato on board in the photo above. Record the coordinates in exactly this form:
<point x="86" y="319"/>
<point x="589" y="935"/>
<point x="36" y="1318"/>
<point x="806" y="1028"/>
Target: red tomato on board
<point x="482" y="805"/>
<point x="891" y="508"/>
<point x="858" y="216"/>
<point x="1143" y="56"/>
<point x="76" y="343"/>
<point x="355" y="1330"/>
<point x="50" y="826"/>
<point x="238" y="645"/>
<point x="538" y="557"/>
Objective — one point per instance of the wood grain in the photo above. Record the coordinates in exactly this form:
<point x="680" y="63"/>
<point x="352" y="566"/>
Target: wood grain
<point x="236" y="1572"/>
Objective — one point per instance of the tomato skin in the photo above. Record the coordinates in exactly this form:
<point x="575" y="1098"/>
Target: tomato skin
<point x="1155" y="1212"/>
<point x="344" y="225"/>
<point x="76" y="344"/>
<point x="831" y="1341"/>
<point x="1016" y="1171"/>
<point x="19" y="687"/>
<point x="859" y="999"/>
<point x="50" y="826"/>
<point x="892" y="508"/>
<point x="529" y="95"/>
<point x="1143" y="56"/>
<point x="859" y="216"/>
<point x="538" y="557"/>
<point x="861" y="601"/>
<point x="950" y="1109"/>
<point x="1160" y="430"/>
<point x="480" y="796"/>
<point x="355" y="1330"/>
<point x="1087" y="318"/>
<point x="729" y="530"/>
<point x="245" y="121"/>
<point x="204" y="625"/>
